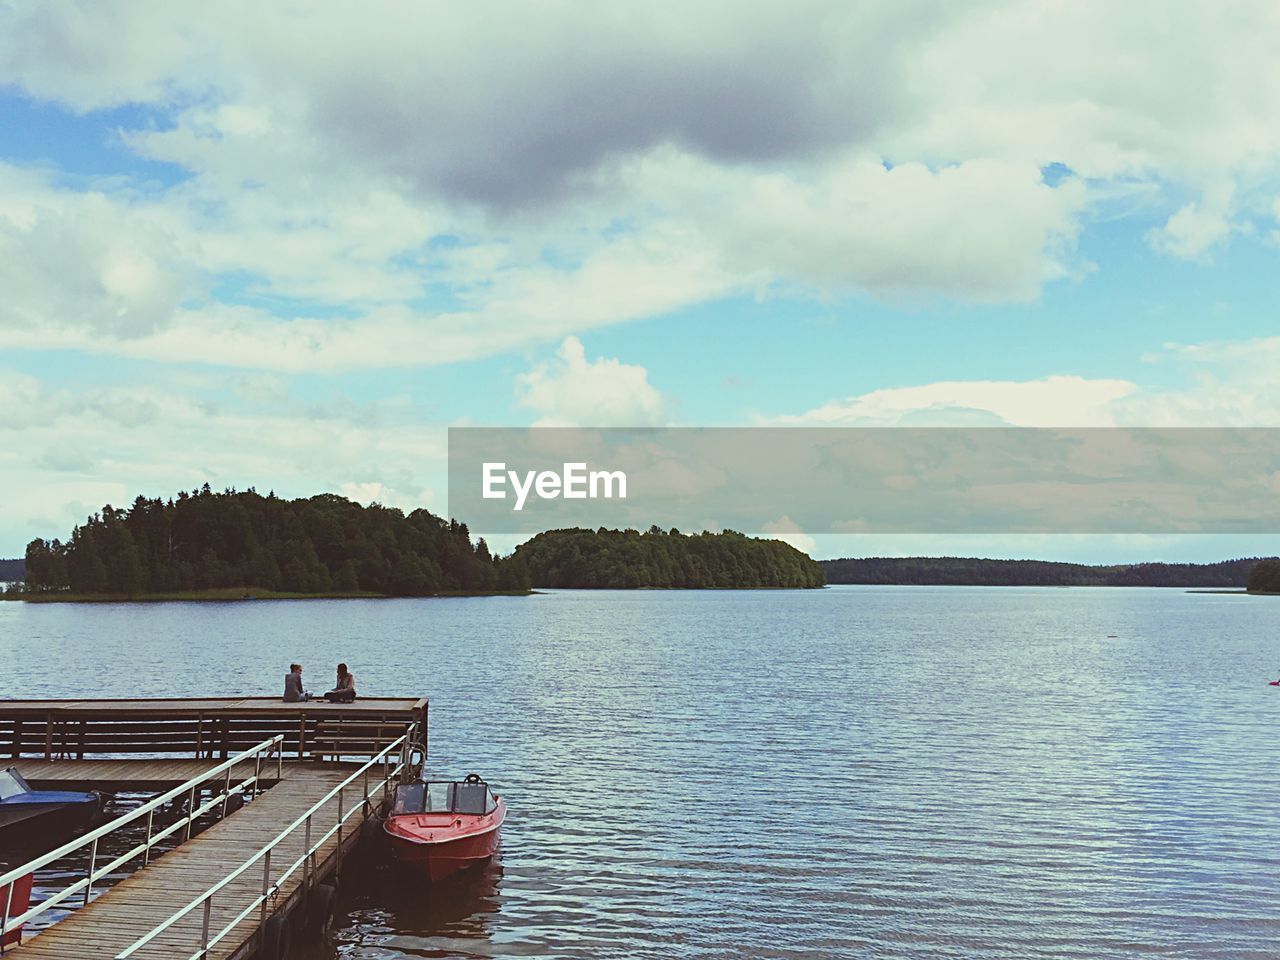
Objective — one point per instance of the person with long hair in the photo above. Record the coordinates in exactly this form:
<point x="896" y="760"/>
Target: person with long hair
<point x="344" y="690"/>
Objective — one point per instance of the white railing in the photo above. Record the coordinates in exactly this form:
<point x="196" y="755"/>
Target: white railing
<point x="259" y="753"/>
<point x="270" y="889"/>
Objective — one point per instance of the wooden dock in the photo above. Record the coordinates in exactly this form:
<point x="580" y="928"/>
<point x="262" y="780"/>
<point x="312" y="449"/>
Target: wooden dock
<point x="121" y="774"/>
<point x="207" y="728"/>
<point x="325" y="802"/>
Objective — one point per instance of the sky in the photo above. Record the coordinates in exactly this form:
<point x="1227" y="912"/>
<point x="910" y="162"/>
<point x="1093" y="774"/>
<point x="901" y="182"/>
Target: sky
<point x="286" y="245"/>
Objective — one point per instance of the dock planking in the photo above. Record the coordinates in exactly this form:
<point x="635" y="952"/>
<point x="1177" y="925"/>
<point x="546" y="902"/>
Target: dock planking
<point x="131" y="908"/>
<point x="126" y="774"/>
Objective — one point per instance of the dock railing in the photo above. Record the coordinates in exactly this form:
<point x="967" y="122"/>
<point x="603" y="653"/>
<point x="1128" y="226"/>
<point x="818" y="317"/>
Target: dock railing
<point x="404" y="747"/>
<point x="260" y="753"/>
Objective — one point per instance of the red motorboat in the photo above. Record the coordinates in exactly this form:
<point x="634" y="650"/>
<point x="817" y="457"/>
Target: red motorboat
<point x="441" y="826"/>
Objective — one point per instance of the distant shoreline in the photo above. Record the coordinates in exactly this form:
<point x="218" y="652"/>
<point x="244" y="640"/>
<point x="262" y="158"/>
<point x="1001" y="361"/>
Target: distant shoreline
<point x="985" y="572"/>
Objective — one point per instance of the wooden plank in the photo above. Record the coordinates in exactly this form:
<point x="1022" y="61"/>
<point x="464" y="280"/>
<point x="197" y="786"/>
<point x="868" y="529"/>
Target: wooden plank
<point x="98" y="772"/>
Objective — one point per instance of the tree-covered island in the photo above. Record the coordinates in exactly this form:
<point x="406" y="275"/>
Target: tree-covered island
<point x="660" y="559"/>
<point x="1265" y="577"/>
<point x="212" y="544"/>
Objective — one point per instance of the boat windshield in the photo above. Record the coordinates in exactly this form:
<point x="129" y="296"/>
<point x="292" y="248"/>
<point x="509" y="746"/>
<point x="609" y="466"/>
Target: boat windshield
<point x="12" y="784"/>
<point x="443" y="796"/>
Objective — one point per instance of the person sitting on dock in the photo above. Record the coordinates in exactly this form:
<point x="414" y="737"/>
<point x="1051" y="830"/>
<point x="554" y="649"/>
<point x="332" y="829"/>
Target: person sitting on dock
<point x="344" y="690"/>
<point x="293" y="690"/>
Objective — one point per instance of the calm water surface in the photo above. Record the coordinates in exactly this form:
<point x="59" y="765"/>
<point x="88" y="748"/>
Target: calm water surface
<point x="861" y="771"/>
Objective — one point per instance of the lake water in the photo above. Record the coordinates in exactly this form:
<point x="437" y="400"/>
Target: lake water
<point x="859" y="771"/>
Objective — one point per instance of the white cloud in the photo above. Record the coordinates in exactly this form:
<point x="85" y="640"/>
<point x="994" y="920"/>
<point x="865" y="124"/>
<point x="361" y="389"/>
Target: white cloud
<point x="786" y="530"/>
<point x="57" y="442"/>
<point x="1215" y="384"/>
<point x="981" y="230"/>
<point x="1056" y="401"/>
<point x="493" y="106"/>
<point x="419" y="184"/>
<point x="575" y="391"/>
<point x="1197" y="227"/>
<point x="137" y="282"/>
<point x="1181" y="91"/>
<point x="1223" y="384"/>
<point x="83" y="262"/>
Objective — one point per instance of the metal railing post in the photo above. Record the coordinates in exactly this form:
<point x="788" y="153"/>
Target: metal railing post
<point x="204" y="927"/>
<point x="226" y="792"/>
<point x="338" y="862"/>
<point x="257" y="773"/>
<point x="93" y="864"/>
<point x="146" y="854"/>
<point x="266" y="883"/>
<point x="191" y="813"/>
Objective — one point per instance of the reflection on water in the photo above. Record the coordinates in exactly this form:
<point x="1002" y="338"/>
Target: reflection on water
<point x="388" y="910"/>
<point x="931" y="773"/>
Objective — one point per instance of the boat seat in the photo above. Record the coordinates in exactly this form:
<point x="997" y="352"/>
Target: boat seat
<point x="470" y="798"/>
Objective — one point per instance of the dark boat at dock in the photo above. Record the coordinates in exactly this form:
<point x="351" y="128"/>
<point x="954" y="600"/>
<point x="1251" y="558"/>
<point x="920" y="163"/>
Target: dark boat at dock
<point x="443" y="827"/>
<point x="31" y="816"/>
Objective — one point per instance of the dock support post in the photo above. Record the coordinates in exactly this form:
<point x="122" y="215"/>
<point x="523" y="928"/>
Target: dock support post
<point x="204" y="927"/>
<point x="308" y="862"/>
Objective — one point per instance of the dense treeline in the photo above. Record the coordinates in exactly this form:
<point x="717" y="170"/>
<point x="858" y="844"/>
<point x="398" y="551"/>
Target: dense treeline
<point x="1265" y="577"/>
<point x="12" y="570"/>
<point x="325" y="544"/>
<point x="658" y="558"/>
<point x="1024" y="573"/>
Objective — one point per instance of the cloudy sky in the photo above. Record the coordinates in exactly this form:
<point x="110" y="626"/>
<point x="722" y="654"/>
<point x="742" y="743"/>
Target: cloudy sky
<point x="286" y="245"/>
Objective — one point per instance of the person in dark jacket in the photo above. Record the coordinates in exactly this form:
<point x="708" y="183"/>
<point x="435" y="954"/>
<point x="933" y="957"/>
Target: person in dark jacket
<point x="293" y="691"/>
<point x="344" y="690"/>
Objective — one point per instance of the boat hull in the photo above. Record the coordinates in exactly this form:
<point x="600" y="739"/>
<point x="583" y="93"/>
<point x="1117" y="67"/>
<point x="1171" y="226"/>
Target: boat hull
<point x="441" y="850"/>
<point x="27" y="823"/>
<point x="18" y="897"/>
